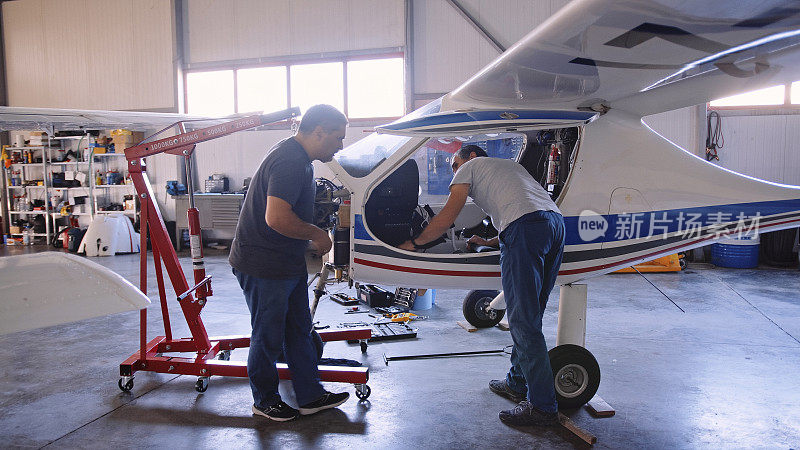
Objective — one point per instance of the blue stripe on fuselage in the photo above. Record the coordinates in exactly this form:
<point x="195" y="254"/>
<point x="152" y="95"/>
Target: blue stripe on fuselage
<point x="360" y="232"/>
<point x="620" y="227"/>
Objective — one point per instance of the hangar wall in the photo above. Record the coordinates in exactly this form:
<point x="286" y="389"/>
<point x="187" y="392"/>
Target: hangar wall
<point x="248" y="29"/>
<point x="90" y="54"/>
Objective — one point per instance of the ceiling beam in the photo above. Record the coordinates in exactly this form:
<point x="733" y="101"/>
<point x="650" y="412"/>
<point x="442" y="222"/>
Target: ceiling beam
<point x="477" y="25"/>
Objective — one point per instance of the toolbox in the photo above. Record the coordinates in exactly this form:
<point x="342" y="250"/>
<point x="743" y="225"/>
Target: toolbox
<point x="374" y="296"/>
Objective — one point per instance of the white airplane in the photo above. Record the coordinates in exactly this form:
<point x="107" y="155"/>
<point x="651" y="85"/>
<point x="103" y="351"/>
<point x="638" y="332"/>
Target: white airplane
<point x="567" y="103"/>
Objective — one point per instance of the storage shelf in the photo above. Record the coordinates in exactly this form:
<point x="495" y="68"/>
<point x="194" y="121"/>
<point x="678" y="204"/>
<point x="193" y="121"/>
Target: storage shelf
<point x="27" y="212"/>
<point x="127" y="212"/>
<point x="68" y="163"/>
<point x="98" y="186"/>
<point x="108" y="154"/>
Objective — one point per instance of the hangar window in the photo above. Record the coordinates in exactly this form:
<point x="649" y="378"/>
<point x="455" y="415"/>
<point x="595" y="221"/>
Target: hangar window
<point x="361" y="86"/>
<point x="780" y="97"/>
<point x="210" y="93"/>
<point x="375" y="88"/>
<point x="317" y="83"/>
<point x="261" y="89"/>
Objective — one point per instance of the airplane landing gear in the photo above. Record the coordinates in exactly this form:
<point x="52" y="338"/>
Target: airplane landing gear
<point x="576" y="374"/>
<point x="476" y="309"/>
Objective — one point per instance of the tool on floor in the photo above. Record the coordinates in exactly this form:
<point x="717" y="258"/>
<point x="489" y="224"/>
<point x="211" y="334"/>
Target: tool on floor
<point x="386" y="358"/>
<point x="343" y="299"/>
<point x="212" y="355"/>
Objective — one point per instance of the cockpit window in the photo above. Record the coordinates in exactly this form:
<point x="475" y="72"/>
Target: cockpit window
<point x="364" y="156"/>
<point x="434" y="159"/>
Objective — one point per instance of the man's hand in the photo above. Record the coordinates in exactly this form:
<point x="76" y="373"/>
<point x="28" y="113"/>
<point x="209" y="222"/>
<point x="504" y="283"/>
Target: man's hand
<point x="407" y="245"/>
<point x="475" y="241"/>
<point x="320" y="244"/>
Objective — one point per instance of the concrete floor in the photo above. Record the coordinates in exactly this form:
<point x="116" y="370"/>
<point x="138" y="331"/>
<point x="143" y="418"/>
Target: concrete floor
<point x="722" y="374"/>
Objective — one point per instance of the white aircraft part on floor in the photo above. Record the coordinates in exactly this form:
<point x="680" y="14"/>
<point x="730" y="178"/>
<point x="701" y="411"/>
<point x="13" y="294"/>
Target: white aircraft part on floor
<point x="53" y="288"/>
<point x="109" y="234"/>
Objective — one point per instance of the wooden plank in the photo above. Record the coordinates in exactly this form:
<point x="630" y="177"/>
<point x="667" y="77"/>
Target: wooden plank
<point x="467" y="326"/>
<point x="587" y="437"/>
<point x="599" y="408"/>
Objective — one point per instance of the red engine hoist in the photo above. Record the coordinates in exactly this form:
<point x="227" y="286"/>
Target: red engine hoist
<point x="213" y="354"/>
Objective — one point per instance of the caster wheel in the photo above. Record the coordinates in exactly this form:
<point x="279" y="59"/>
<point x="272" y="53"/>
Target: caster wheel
<point x="127" y="386"/>
<point x="576" y="374"/>
<point x="363" y="391"/>
<point x="476" y="311"/>
<point x="224" y="355"/>
<point x="201" y="385"/>
<point x="363" y="347"/>
<point x="683" y="263"/>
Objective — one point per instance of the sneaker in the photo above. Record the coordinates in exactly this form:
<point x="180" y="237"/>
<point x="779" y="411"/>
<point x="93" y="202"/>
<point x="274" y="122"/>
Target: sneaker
<point x="526" y="414"/>
<point x="327" y="401"/>
<point x="279" y="412"/>
<point x="500" y="387"/>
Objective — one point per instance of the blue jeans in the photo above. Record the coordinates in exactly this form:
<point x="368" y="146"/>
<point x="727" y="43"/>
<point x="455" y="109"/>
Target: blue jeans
<point x="281" y="322"/>
<point x="530" y="255"/>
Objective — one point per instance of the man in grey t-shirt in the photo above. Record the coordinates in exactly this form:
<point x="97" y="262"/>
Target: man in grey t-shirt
<point x="531" y="243"/>
<point x="267" y="256"/>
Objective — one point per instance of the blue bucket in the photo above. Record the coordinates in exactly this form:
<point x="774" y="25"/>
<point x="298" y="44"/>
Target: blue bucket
<point x="425" y="301"/>
<point x="737" y="253"/>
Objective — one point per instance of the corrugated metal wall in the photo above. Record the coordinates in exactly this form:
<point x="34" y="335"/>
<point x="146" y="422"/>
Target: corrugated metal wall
<point x="225" y="30"/>
<point x="89" y="54"/>
<point x="766" y="147"/>
<point x="448" y="50"/>
<point x="679" y="126"/>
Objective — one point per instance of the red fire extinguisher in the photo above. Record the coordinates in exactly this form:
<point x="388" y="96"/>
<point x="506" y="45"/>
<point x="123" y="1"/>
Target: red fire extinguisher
<point x="553" y="162"/>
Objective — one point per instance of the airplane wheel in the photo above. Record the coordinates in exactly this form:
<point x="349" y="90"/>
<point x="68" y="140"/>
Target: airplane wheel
<point x="476" y="309"/>
<point x="363" y="346"/>
<point x="576" y="374"/>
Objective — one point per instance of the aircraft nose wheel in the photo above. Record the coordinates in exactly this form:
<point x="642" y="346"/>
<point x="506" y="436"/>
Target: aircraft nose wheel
<point x="576" y="375"/>
<point x="362" y="391"/>
<point x="476" y="309"/>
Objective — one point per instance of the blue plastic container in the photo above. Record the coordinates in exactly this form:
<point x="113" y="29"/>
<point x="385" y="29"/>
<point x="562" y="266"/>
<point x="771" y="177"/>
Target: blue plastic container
<point x="425" y="301"/>
<point x="737" y="253"/>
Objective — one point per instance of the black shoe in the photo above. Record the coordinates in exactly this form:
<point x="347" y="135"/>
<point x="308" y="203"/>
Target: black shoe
<point x="327" y="401"/>
<point x="526" y="414"/>
<point x="500" y="387"/>
<point x="280" y="412"/>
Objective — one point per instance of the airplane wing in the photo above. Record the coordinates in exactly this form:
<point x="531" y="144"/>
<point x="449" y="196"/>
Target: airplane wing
<point x="641" y="56"/>
<point x="47" y="119"/>
<point x="53" y="288"/>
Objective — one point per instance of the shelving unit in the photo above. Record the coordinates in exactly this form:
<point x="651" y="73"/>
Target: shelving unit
<point x="98" y="196"/>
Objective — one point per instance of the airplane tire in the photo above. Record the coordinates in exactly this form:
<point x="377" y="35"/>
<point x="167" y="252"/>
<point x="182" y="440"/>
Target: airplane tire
<point x="475" y="305"/>
<point x="576" y="375"/>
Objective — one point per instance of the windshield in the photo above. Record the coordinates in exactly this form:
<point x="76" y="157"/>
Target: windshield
<point x="364" y="156"/>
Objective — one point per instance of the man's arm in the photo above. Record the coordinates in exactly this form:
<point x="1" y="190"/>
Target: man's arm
<point x="442" y="221"/>
<point x="281" y="218"/>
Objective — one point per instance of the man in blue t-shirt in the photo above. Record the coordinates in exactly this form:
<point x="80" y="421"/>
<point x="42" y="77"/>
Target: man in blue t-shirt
<point x="531" y="243"/>
<point x="268" y="258"/>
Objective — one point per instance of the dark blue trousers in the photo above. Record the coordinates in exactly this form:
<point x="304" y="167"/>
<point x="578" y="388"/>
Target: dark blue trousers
<point x="281" y="322"/>
<point x="530" y="255"/>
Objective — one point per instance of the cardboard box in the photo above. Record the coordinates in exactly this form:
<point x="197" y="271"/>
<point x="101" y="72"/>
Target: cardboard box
<point x="14" y="229"/>
<point x="123" y="139"/>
